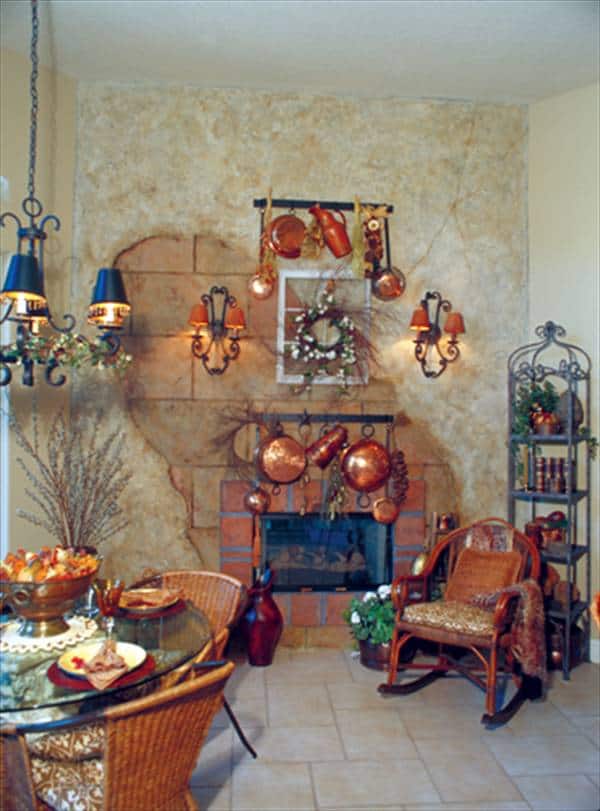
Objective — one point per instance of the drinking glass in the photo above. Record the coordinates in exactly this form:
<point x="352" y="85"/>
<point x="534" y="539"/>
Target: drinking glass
<point x="108" y="594"/>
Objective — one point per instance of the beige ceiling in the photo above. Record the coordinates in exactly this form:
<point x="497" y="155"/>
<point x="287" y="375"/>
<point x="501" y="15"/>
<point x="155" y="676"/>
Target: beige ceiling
<point x="515" y="51"/>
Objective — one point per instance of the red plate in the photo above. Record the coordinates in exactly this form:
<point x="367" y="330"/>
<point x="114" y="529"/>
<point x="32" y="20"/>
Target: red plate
<point x="61" y="679"/>
<point x="286" y="235"/>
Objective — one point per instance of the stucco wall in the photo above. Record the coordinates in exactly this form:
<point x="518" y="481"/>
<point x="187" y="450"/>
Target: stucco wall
<point x="178" y="161"/>
<point x="564" y="212"/>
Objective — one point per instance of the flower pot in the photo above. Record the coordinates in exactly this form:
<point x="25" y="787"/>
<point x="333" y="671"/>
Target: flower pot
<point x="376" y="657"/>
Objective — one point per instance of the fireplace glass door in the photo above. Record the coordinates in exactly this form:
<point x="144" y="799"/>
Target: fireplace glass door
<point x="312" y="552"/>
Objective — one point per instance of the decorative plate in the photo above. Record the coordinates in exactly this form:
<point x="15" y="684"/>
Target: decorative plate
<point x="286" y="235"/>
<point x="73" y="660"/>
<point x="147" y="600"/>
<point x="562" y="410"/>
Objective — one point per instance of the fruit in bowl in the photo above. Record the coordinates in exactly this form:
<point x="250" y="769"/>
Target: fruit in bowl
<point x="41" y="587"/>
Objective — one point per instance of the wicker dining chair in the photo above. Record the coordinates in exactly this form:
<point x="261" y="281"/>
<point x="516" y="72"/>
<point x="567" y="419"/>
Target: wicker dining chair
<point x="222" y="599"/>
<point x="149" y="749"/>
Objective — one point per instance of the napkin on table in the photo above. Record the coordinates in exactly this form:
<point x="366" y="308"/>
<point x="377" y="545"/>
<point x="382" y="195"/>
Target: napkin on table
<point x="106" y="666"/>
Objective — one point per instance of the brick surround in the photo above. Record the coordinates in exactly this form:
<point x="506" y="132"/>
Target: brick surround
<point x="314" y="618"/>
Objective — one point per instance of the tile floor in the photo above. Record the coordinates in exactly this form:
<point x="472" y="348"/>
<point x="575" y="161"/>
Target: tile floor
<point x="327" y="740"/>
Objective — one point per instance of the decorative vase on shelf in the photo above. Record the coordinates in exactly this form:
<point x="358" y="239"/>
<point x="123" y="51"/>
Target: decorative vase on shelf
<point x="262" y="623"/>
<point x="545" y="423"/>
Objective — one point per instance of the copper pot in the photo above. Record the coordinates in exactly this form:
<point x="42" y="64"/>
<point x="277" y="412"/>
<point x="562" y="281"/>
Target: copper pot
<point x="324" y="450"/>
<point x="385" y="510"/>
<point x="366" y="465"/>
<point x="280" y="459"/>
<point x="388" y="284"/>
<point x="257" y="501"/>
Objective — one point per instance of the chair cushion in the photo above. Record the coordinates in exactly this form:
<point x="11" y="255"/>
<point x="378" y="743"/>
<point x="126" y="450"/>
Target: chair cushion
<point x="450" y="615"/>
<point x="70" y="745"/>
<point x="69" y="786"/>
<point x="479" y="571"/>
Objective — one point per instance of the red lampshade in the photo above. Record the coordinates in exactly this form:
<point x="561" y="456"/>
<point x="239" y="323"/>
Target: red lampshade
<point x="234" y="318"/>
<point x="454" y="324"/>
<point x="420" y="320"/>
<point x="198" y="316"/>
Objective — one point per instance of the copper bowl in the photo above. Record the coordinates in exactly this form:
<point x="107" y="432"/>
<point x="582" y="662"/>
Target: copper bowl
<point x="366" y="465"/>
<point x="42" y="605"/>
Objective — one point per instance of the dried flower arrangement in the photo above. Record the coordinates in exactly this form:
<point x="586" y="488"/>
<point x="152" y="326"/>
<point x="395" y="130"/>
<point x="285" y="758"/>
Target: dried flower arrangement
<point x="78" y="488"/>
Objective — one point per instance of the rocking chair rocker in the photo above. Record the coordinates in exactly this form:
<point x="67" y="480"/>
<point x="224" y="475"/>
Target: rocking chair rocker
<point x="486" y="557"/>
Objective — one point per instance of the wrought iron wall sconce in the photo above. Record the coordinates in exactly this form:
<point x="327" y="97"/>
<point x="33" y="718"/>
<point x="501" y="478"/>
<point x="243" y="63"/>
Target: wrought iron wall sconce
<point x="432" y="356"/>
<point x="216" y="332"/>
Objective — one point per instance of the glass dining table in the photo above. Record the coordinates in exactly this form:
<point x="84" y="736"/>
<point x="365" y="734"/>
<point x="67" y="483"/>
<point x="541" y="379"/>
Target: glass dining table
<point x="30" y="689"/>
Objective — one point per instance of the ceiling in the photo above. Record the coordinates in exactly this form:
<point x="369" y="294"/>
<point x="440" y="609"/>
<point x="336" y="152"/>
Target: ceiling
<point x="507" y="51"/>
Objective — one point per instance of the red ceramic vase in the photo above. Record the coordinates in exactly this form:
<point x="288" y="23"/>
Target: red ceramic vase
<point x="262" y="625"/>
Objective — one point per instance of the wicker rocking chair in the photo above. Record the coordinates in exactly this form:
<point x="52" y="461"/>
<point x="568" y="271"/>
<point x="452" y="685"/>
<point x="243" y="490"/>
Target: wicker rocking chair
<point x="489" y="557"/>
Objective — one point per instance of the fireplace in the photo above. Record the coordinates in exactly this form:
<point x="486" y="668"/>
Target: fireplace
<point x="310" y="552"/>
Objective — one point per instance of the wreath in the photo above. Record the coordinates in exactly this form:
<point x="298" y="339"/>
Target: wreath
<point x="335" y="358"/>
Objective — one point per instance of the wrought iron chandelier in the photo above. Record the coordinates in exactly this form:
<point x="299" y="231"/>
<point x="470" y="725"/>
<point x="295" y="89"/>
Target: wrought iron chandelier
<point x="24" y="294"/>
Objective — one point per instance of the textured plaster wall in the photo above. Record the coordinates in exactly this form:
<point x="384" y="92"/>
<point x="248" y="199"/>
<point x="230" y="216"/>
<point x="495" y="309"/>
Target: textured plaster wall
<point x="182" y="163"/>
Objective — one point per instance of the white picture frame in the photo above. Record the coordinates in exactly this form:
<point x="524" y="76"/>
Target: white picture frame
<point x="286" y="277"/>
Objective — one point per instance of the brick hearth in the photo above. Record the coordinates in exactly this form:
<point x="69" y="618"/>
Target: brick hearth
<point x="313" y="618"/>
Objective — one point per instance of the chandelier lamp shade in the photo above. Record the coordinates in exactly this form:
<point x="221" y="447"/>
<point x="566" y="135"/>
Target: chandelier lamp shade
<point x="23" y="298"/>
<point x="217" y="321"/>
<point x="430" y="353"/>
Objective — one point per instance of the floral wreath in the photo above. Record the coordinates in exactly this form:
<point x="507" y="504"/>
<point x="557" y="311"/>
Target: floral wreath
<point x="305" y="346"/>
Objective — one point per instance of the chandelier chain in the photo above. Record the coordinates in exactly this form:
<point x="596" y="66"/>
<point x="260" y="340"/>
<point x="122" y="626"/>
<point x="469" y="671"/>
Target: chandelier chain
<point x="34" y="98"/>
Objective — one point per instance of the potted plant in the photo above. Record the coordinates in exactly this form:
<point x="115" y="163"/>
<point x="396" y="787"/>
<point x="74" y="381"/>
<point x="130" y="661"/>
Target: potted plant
<point x="535" y="408"/>
<point x="371" y="623"/>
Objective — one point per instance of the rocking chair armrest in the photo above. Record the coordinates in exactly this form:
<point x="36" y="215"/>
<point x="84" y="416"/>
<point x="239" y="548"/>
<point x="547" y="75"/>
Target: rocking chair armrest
<point x="503" y="611"/>
<point x="401" y="588"/>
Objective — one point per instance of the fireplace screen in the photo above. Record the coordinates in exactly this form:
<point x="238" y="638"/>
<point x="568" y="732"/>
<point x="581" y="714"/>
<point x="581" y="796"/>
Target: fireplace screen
<point x="310" y="551"/>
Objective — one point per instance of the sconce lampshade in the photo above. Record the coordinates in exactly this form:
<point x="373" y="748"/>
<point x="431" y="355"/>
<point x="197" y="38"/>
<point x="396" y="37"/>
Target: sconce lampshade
<point x="420" y="320"/>
<point x="455" y="324"/>
<point x="109" y="300"/>
<point x="198" y="316"/>
<point x="23" y="279"/>
<point x="235" y="318"/>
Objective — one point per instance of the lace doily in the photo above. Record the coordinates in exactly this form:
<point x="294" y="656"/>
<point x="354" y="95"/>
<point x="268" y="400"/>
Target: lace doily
<point x="80" y="628"/>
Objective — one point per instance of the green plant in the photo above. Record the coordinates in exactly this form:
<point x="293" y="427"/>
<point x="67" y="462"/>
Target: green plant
<point x="530" y="399"/>
<point x="372" y="618"/>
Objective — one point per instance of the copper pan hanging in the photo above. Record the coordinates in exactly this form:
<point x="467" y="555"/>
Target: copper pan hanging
<point x="280" y="459"/>
<point x="325" y="449"/>
<point x="366" y="465"/>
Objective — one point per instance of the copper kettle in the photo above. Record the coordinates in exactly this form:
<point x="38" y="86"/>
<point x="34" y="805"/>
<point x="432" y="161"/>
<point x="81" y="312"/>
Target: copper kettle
<point x="334" y="232"/>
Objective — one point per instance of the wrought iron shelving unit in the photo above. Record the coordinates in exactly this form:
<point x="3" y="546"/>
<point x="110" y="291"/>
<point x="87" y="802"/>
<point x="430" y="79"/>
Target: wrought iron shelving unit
<point x="553" y="359"/>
